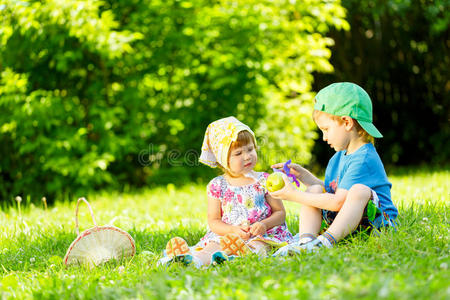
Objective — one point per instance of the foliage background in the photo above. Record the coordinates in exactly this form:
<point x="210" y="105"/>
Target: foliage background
<point x="399" y="51"/>
<point x="101" y="94"/>
<point x="117" y="94"/>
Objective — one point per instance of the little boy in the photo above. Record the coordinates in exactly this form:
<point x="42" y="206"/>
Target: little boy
<point x="356" y="189"/>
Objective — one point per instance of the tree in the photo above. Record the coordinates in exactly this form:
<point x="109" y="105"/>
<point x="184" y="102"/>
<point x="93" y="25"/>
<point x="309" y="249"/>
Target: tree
<point x="121" y="91"/>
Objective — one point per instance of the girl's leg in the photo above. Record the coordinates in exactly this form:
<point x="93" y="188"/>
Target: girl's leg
<point x="310" y="217"/>
<point x="351" y="212"/>
<point x="259" y="248"/>
<point x="205" y="254"/>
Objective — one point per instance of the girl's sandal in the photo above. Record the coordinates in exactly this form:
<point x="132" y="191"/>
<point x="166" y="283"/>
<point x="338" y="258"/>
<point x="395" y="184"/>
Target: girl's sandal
<point x="177" y="246"/>
<point x="185" y="259"/>
<point x="232" y="244"/>
<point x="219" y="257"/>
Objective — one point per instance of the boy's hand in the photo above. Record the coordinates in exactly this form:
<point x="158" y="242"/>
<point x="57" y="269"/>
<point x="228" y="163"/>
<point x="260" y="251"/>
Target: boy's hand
<point x="294" y="169"/>
<point x="285" y="192"/>
<point x="258" y="228"/>
<point x="242" y="231"/>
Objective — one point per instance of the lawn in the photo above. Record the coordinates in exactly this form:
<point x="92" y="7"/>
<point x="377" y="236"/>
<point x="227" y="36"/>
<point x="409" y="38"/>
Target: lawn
<point x="410" y="263"/>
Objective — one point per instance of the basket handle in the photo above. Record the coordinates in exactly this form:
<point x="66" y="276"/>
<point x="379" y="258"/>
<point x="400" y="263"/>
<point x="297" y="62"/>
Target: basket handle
<point x="76" y="214"/>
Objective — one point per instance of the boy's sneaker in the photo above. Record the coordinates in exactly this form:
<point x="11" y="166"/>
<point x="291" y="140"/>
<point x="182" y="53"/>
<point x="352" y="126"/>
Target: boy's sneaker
<point x="312" y="246"/>
<point x="293" y="249"/>
<point x="290" y="249"/>
<point x="232" y="244"/>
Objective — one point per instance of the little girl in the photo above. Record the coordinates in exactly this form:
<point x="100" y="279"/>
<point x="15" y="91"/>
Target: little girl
<point x="242" y="216"/>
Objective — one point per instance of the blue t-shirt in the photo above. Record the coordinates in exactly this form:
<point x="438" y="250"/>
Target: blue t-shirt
<point x="363" y="166"/>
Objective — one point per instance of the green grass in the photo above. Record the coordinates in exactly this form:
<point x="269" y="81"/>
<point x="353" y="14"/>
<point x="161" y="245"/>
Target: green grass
<point x="411" y="263"/>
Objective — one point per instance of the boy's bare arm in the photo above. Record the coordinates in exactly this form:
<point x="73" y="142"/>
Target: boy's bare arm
<point x="309" y="179"/>
<point x="326" y="201"/>
<point x="306" y="177"/>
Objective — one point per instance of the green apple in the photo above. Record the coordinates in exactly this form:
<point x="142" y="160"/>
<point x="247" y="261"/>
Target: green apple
<point x="275" y="182"/>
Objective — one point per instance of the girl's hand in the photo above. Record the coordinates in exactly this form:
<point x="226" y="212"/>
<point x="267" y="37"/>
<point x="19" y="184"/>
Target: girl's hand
<point x="245" y="226"/>
<point x="285" y="192"/>
<point x="242" y="231"/>
<point x="258" y="228"/>
<point x="294" y="169"/>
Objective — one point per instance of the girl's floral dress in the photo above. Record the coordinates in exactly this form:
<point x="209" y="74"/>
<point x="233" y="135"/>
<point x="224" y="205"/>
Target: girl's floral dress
<point x="242" y="204"/>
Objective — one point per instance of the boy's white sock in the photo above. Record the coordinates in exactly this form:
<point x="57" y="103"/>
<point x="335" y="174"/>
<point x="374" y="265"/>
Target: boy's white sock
<point x="324" y="241"/>
<point x="327" y="239"/>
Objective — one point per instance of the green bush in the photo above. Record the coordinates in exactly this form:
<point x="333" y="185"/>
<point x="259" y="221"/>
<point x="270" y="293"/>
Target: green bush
<point x="100" y="94"/>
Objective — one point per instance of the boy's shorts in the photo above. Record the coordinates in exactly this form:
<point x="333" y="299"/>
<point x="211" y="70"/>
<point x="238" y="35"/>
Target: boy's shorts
<point x="373" y="216"/>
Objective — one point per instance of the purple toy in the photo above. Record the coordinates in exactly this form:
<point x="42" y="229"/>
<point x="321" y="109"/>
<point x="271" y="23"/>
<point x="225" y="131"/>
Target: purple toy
<point x="287" y="172"/>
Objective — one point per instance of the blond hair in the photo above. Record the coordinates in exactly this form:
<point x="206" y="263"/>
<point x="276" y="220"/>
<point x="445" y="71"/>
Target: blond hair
<point x="244" y="138"/>
<point x="361" y="132"/>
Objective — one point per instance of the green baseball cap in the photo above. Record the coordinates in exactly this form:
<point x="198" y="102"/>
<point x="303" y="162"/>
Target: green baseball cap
<point x="347" y="99"/>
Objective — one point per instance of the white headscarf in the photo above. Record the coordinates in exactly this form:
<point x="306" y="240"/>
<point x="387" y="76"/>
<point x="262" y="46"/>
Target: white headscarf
<point x="218" y="138"/>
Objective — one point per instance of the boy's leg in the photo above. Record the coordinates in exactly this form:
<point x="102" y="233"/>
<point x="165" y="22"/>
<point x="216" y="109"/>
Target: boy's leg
<point x="310" y="217"/>
<point x="351" y="212"/>
<point x="346" y="220"/>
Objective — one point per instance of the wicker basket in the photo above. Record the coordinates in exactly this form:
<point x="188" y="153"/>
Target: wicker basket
<point x="98" y="244"/>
